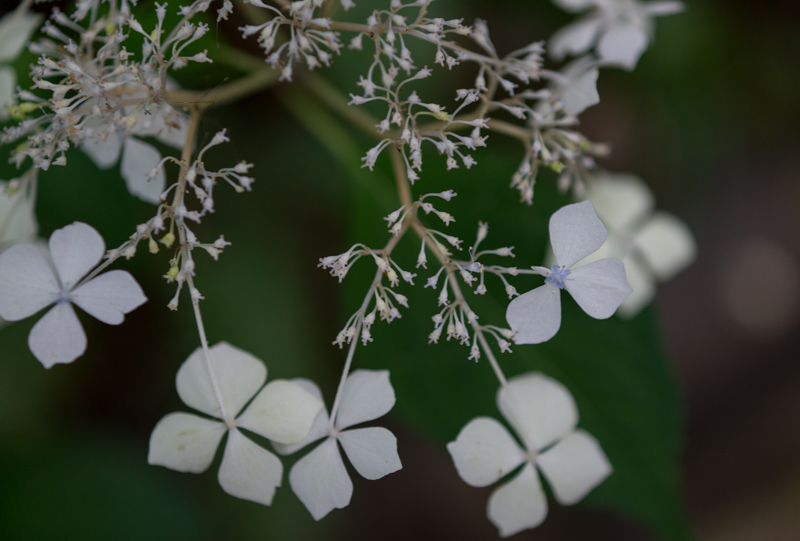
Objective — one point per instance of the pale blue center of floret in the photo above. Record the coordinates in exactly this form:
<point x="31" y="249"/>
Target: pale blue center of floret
<point x="557" y="276"/>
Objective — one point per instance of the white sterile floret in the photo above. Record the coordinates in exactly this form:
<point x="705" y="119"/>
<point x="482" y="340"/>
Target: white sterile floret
<point x="544" y="416"/>
<point x="140" y="161"/>
<point x="620" y="29"/>
<point x="16" y="28"/>
<point x="653" y="245"/>
<point x="599" y="287"/>
<point x="17" y="217"/>
<point x="320" y="479"/>
<point x="578" y="89"/>
<point x="28" y="284"/>
<point x="280" y="410"/>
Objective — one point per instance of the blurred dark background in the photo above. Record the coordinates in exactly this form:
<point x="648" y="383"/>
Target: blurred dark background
<point x="709" y="120"/>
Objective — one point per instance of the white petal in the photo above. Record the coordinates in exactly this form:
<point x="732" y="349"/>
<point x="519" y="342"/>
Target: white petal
<point x="644" y="287"/>
<point x="581" y="93"/>
<point x="617" y="245"/>
<point x="484" y="452"/>
<point x="574" y="38"/>
<point x="535" y="316"/>
<point x="17" y="217"/>
<point x="539" y="408"/>
<point x="667" y="244"/>
<point x="58" y="337"/>
<point x="575" y="232"/>
<point x="320" y="480"/>
<point x="575" y="5"/>
<point x="104" y="152"/>
<point x="372" y="451"/>
<point x="8" y="84"/>
<point x="174" y="135"/>
<point x="574" y="466"/>
<point x="165" y="123"/>
<point x="318" y="430"/>
<point x="519" y="504"/>
<point x="26" y="282"/>
<point x="239" y="375"/>
<point x="662" y="8"/>
<point x="184" y="442"/>
<point x="367" y="395"/>
<point x="138" y="158"/>
<point x="75" y="250"/>
<point x="599" y="287"/>
<point x="15" y="29"/>
<point x="282" y="412"/>
<point x="248" y="471"/>
<point x="622" y="45"/>
<point x="110" y="296"/>
<point x="620" y="199"/>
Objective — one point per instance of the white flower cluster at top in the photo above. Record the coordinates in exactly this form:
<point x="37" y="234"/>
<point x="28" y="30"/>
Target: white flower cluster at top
<point x="608" y="249"/>
<point x="310" y="39"/>
<point x="95" y="88"/>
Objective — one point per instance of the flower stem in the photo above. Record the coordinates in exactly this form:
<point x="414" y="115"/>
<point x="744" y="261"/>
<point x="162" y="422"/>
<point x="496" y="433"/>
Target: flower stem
<point x="361" y="311"/>
<point x="492" y="360"/>
<point x="337" y="102"/>
<point x="206" y="353"/>
<point x="251" y="84"/>
<point x="346" y="370"/>
<point x="186" y="156"/>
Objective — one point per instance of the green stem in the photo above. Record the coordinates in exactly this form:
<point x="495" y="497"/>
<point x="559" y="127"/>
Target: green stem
<point x="337" y="141"/>
<point x="330" y="96"/>
<point x="251" y="84"/>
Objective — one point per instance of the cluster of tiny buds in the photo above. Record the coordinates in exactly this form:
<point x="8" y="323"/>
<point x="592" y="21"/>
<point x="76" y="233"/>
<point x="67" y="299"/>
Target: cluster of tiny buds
<point x="202" y="181"/>
<point x="552" y="142"/>
<point x="397" y="218"/>
<point x="385" y="308"/>
<point x="182" y="265"/>
<point x="310" y="37"/>
<point x="468" y="269"/>
<point x="447" y="142"/>
<point x="455" y="319"/>
<point x="97" y="87"/>
<point x="340" y="265"/>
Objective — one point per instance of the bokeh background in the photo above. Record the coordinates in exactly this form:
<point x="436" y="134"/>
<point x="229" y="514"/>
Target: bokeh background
<point x="709" y="119"/>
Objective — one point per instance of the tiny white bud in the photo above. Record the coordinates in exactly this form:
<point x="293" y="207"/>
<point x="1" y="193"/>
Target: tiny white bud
<point x="474" y="353"/>
<point x="434" y="336"/>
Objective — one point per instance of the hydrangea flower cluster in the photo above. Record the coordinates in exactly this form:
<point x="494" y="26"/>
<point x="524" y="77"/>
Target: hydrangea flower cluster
<point x="89" y="91"/>
<point x="96" y="89"/>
